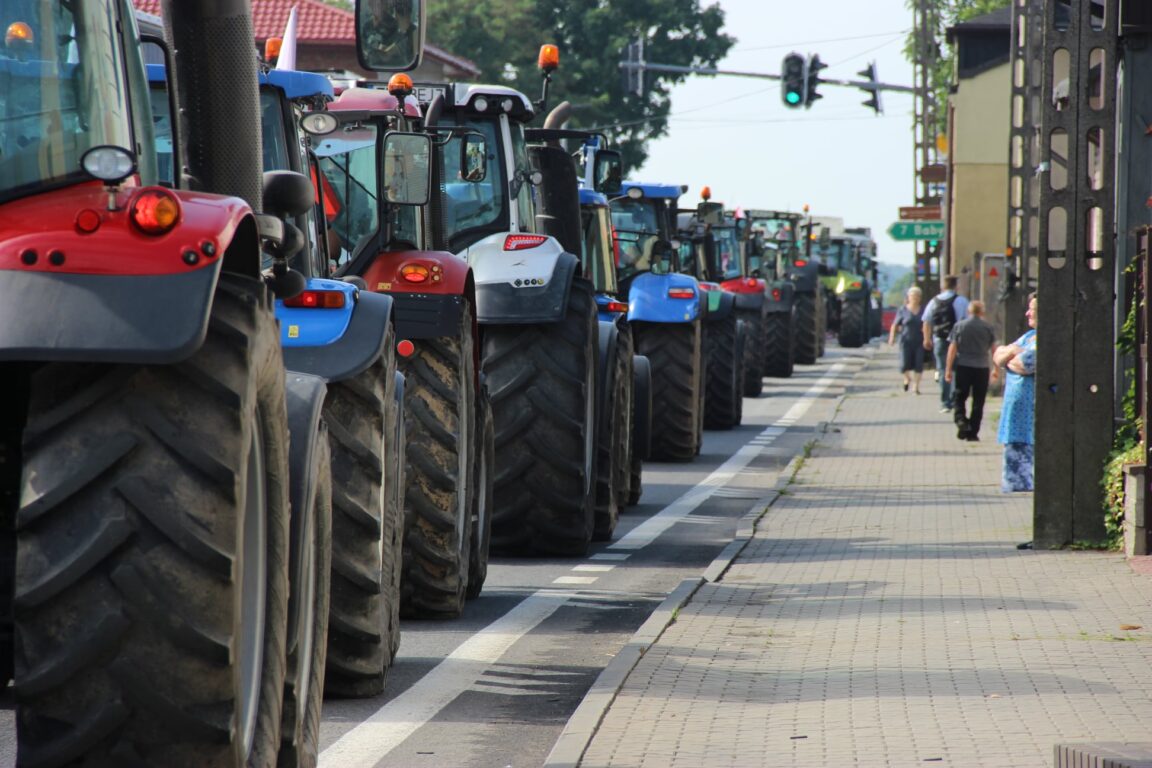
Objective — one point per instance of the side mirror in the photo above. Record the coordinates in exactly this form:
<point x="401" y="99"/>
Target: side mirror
<point x="710" y="214"/>
<point x="407" y="170"/>
<point x="473" y="158"/>
<point x="390" y="34"/>
<point x="608" y="173"/>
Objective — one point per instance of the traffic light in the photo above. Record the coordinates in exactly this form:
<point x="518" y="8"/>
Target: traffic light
<point x="794" y="79"/>
<point x="633" y="75"/>
<point x="871" y="88"/>
<point x="812" y="79"/>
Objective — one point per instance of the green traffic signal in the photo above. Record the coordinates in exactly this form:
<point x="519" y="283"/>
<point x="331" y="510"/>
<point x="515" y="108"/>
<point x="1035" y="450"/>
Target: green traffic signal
<point x="794" y="80"/>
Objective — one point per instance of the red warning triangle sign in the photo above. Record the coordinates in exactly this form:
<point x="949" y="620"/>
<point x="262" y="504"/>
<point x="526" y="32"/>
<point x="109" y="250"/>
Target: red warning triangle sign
<point x="993" y="272"/>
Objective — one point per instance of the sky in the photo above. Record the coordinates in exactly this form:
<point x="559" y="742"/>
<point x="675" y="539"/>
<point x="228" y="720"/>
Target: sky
<point x="735" y="134"/>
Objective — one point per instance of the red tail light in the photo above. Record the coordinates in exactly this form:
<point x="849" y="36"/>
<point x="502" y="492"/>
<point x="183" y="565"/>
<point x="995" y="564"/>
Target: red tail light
<point x="776" y="294"/>
<point x="405" y="348"/>
<point x="317" y="300"/>
<point x="414" y="273"/>
<point x="523" y="242"/>
<point x="155" y="211"/>
<point x="801" y="262"/>
<point x="681" y="293"/>
<point x="615" y="306"/>
<point x="750" y="282"/>
<point x="855" y="284"/>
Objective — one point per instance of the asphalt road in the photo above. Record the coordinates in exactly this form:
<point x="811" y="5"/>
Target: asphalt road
<point x="495" y="687"/>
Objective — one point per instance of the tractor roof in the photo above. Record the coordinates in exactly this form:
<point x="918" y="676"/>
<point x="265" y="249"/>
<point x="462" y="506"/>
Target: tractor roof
<point x="662" y="191"/>
<point x="592" y="197"/>
<point x="464" y="95"/>
<point x="371" y="100"/>
<point x="296" y="85"/>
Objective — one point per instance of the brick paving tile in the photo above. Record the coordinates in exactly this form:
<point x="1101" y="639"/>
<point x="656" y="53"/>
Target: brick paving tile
<point x="882" y="616"/>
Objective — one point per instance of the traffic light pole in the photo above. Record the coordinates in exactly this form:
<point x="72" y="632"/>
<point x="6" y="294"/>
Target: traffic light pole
<point x="863" y="84"/>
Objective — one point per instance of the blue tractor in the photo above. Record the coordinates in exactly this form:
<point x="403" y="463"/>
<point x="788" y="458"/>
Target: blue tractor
<point x="665" y="311"/>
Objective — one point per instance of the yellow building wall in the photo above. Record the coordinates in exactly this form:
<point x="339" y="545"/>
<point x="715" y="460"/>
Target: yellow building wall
<point x="977" y="207"/>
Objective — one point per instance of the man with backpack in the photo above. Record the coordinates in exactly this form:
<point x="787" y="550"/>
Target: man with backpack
<point x="940" y="317"/>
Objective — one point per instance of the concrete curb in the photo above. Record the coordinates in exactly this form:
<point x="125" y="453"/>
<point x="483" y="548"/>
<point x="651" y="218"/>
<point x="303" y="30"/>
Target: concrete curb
<point x="582" y="726"/>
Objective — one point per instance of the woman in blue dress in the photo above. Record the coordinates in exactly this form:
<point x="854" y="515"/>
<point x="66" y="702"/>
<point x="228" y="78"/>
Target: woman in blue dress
<point x="911" y="329"/>
<point x="1016" y="419"/>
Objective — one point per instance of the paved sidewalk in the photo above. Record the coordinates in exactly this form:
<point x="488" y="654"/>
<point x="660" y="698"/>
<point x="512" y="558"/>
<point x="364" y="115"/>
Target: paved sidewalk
<point x="882" y="616"/>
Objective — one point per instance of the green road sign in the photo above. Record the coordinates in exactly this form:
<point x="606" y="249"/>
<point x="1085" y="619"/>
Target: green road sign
<point x="917" y="230"/>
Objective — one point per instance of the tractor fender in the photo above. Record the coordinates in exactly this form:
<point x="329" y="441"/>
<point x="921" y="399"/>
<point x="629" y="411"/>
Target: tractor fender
<point x="648" y="299"/>
<point x="356" y="350"/>
<point x="304" y="396"/>
<point x="749" y="302"/>
<point x="119" y="296"/>
<point x="721" y="304"/>
<point x="608" y="337"/>
<point x="863" y="293"/>
<point x="642" y="398"/>
<point x="316" y="326"/>
<point x="786" y="292"/>
<point x="517" y="302"/>
<point x="447" y="273"/>
<point x="805" y="278"/>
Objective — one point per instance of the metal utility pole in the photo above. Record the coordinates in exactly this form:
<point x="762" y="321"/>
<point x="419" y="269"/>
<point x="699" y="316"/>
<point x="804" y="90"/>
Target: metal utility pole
<point x="1076" y="257"/>
<point x="929" y="176"/>
<point x="1023" y="161"/>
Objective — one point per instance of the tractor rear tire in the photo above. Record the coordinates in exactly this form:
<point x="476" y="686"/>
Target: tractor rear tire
<point x="300" y="734"/>
<point x="755" y="357"/>
<point x="614" y="443"/>
<point x="853" y="323"/>
<point x="809" y="316"/>
<point x="627" y="369"/>
<point x="440" y="410"/>
<point x="676" y="354"/>
<point x="723" y="403"/>
<point x="365" y="530"/>
<point x="641" y="427"/>
<point x="542" y="380"/>
<point x="482" y="497"/>
<point x="778" y="346"/>
<point x="151" y="586"/>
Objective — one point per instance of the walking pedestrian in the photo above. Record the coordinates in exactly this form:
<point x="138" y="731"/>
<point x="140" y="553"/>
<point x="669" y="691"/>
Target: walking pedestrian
<point x="911" y="328"/>
<point x="1017" y="416"/>
<point x="940" y="316"/>
<point x="968" y="367"/>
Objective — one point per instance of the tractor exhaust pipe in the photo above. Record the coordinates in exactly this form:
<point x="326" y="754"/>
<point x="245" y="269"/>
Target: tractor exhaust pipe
<point x="561" y="114"/>
<point x="219" y="96"/>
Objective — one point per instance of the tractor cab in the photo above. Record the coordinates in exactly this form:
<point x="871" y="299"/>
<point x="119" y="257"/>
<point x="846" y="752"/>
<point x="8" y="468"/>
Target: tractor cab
<point x="644" y="218"/>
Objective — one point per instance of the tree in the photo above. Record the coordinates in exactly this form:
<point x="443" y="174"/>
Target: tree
<point x="503" y="36"/>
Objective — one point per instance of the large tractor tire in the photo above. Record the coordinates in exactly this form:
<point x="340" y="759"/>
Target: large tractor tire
<point x="675" y="352"/>
<point x="629" y="449"/>
<point x="724" y="401"/>
<point x="641" y="427"/>
<point x="614" y="443"/>
<point x="755" y="357"/>
<point x="485" y="471"/>
<point x="778" y="345"/>
<point x="853" y="323"/>
<point x="365" y="530"/>
<point x="807" y="341"/>
<point x="304" y="686"/>
<point x="542" y="380"/>
<point x="151" y="583"/>
<point x="395" y="490"/>
<point x="440" y="410"/>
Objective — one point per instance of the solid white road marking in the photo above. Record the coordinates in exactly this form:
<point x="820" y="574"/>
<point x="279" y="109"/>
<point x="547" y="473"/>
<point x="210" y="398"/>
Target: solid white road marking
<point x="366" y="744"/>
<point x="587" y="568"/>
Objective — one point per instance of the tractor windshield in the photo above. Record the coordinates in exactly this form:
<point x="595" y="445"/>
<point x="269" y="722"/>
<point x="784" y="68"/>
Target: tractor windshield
<point x="637" y="224"/>
<point x="474" y="209"/>
<point x="62" y="91"/>
<point x="351" y="183"/>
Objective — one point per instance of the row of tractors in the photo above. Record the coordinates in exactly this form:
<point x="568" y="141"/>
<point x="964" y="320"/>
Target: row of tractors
<point x="284" y="365"/>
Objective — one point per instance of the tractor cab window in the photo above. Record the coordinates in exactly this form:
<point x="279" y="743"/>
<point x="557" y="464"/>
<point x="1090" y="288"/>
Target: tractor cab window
<point x="726" y="260"/>
<point x="522" y="188"/>
<point x="599" y="250"/>
<point x="637" y="224"/>
<point x="62" y="92"/>
<point x="350" y="187"/>
<point x="474" y="209"/>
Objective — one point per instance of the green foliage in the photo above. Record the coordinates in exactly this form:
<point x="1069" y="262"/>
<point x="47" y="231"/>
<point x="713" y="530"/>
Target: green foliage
<point x="895" y="295"/>
<point x="1126" y="446"/>
<point x="503" y="37"/>
<point x="948" y="13"/>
